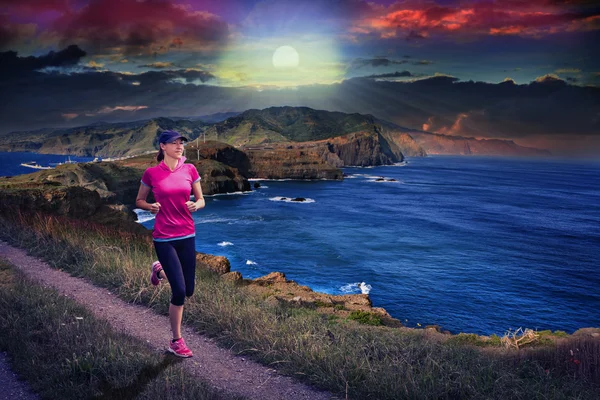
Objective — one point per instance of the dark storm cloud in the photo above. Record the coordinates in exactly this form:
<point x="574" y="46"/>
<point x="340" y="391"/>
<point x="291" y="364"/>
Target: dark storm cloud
<point x="375" y="62"/>
<point x="397" y="74"/>
<point x="12" y="65"/>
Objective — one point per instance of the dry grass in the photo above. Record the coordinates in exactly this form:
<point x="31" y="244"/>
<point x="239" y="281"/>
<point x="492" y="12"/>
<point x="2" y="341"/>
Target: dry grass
<point x="333" y="353"/>
<point x="64" y="352"/>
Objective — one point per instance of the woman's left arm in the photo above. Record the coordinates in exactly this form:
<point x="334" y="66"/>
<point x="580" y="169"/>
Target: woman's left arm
<point x="199" y="203"/>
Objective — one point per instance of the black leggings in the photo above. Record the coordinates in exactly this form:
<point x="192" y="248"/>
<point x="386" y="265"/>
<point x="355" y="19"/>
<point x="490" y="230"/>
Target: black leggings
<point x="178" y="259"/>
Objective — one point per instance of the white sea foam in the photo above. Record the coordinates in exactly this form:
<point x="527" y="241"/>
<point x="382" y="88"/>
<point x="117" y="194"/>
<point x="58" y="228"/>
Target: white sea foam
<point x="250" y="262"/>
<point x="361" y="287"/>
<point x="227" y="194"/>
<point x="365" y="288"/>
<point x="214" y="220"/>
<point x="223" y="244"/>
<point x="382" y="179"/>
<point x="143" y="215"/>
<point x="291" y="199"/>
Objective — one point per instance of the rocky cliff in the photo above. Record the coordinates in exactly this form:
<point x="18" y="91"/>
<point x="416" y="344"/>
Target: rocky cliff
<point x="415" y="143"/>
<point x="106" y="191"/>
<point x="405" y="143"/>
<point x="287" y="162"/>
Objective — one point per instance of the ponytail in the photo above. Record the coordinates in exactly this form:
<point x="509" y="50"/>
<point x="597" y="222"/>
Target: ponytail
<point x="161" y="155"/>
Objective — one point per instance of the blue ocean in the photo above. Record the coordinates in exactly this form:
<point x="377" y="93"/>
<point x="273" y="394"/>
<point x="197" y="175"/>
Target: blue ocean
<point x="10" y="163"/>
<point x="472" y="244"/>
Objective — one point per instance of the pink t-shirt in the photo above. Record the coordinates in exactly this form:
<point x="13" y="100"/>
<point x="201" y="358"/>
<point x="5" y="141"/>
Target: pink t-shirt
<point x="172" y="189"/>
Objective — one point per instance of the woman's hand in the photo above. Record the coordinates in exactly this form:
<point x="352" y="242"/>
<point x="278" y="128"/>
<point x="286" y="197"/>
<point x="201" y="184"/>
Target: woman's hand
<point x="154" y="208"/>
<point x="193" y="206"/>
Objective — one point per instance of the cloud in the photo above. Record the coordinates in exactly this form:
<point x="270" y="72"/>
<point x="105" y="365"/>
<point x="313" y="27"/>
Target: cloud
<point x="397" y="74"/>
<point x="12" y="65"/>
<point x="549" y="79"/>
<point x="375" y="62"/>
<point x="35" y="6"/>
<point x="94" y="64"/>
<point x="108" y="110"/>
<point x="568" y="71"/>
<point x="158" y="64"/>
<point x="135" y="27"/>
<point x="12" y="34"/>
<point x="417" y="20"/>
<point x="155" y="77"/>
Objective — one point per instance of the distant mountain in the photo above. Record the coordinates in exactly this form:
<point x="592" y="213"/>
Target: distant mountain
<point x="438" y="144"/>
<point x="288" y="124"/>
<point x="214" y="118"/>
<point x="341" y="139"/>
<point x="100" y="139"/>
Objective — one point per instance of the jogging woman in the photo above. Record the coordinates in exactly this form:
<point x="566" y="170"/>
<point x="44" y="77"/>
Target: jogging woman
<point x="171" y="183"/>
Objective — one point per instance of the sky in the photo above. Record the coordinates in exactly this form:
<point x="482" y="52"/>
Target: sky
<point x="524" y="70"/>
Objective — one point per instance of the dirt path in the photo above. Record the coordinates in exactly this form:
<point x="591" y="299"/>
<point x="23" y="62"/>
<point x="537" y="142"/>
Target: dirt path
<point x="230" y="373"/>
<point x="12" y="387"/>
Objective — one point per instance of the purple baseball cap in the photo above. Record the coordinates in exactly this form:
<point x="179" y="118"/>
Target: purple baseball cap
<point x="170" y="137"/>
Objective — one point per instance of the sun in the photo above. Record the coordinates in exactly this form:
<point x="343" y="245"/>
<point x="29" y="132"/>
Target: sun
<point x="286" y="57"/>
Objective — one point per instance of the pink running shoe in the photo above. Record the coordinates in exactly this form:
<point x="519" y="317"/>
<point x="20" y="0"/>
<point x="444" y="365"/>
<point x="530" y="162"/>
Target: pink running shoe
<point x="156" y="268"/>
<point x="180" y="349"/>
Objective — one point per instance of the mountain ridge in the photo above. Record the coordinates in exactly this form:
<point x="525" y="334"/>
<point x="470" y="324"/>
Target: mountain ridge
<point x="283" y="125"/>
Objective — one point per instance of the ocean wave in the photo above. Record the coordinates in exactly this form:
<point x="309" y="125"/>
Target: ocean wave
<point x="250" y="262"/>
<point x="223" y="244"/>
<point x="214" y="220"/>
<point x="291" y="199"/>
<point x="227" y="194"/>
<point x="143" y="215"/>
<point x="358" y="287"/>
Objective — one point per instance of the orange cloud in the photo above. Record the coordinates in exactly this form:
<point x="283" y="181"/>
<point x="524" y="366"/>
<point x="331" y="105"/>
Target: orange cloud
<point x="69" y="116"/>
<point x="534" y="18"/>
<point x="107" y="110"/>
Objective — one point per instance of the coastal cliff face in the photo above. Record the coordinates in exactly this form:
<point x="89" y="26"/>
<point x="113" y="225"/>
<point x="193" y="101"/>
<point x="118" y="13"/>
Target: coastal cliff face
<point x="456" y="145"/>
<point x="287" y="162"/>
<point x="106" y="191"/>
<point x="338" y="139"/>
<point x="364" y="149"/>
<point x="405" y="143"/>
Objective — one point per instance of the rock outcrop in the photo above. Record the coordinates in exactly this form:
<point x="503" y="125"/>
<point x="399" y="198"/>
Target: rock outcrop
<point x="290" y="162"/>
<point x="277" y="288"/>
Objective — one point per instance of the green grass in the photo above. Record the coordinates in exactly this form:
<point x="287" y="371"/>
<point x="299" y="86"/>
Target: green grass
<point x="340" y="355"/>
<point x="64" y="352"/>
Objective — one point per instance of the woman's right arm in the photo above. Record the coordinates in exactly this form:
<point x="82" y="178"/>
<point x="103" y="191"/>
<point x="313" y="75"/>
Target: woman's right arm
<point x="140" y="201"/>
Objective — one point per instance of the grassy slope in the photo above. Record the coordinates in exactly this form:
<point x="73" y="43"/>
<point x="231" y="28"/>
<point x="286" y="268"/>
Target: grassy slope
<point x="335" y="354"/>
<point x="64" y="352"/>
